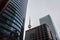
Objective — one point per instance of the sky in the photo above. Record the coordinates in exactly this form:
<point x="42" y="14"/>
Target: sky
<point x="37" y="9"/>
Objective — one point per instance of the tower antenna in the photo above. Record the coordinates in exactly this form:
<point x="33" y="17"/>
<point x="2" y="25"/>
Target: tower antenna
<point x="29" y="26"/>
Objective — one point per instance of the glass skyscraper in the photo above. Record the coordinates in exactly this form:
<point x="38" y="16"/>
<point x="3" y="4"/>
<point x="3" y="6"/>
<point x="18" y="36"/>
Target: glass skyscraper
<point x="12" y="19"/>
<point x="47" y="20"/>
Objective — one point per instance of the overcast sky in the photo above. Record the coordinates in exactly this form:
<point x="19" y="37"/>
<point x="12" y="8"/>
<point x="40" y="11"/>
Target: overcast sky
<point x="37" y="9"/>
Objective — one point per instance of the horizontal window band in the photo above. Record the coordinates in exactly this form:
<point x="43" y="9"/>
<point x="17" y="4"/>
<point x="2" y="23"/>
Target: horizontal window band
<point x="12" y="18"/>
<point x="10" y="24"/>
<point x="11" y="4"/>
<point x="10" y="12"/>
<point x="16" y="4"/>
<point x="14" y="11"/>
<point x="10" y="21"/>
<point x="3" y="28"/>
<point x="1" y="21"/>
<point x="19" y="2"/>
<point x="13" y="22"/>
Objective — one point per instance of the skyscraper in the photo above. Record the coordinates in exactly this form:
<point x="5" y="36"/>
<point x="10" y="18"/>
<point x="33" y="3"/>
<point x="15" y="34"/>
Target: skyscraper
<point x="47" y="20"/>
<point x="41" y="32"/>
<point x="12" y="18"/>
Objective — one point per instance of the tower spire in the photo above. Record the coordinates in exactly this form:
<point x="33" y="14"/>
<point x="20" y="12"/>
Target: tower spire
<point x="29" y="26"/>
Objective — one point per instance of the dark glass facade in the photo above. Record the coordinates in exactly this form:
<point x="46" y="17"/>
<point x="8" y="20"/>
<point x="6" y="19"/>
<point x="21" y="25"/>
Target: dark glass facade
<point x="41" y="32"/>
<point x="12" y="20"/>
